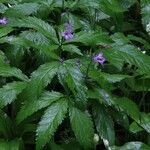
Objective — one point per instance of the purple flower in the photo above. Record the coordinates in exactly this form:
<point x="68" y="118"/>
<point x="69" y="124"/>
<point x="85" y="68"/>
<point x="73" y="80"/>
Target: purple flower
<point x="3" y="21"/>
<point x="100" y="58"/>
<point x="69" y="27"/>
<point x="67" y="35"/>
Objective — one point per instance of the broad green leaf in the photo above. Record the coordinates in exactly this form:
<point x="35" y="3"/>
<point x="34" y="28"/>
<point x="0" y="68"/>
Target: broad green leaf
<point x="46" y="99"/>
<point x="132" y="146"/>
<point x="39" y="80"/>
<point x="82" y="126"/>
<point x="52" y="118"/>
<point x="104" y="124"/>
<point x="9" y="92"/>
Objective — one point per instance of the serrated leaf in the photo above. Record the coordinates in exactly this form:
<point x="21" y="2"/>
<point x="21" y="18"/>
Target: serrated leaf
<point x="9" y="92"/>
<point x="128" y="106"/>
<point x="7" y="71"/>
<point x="39" y="80"/>
<point x="37" y="24"/>
<point x="104" y="124"/>
<point x="70" y="74"/>
<point x="82" y="126"/>
<point x="22" y="10"/>
<point x="72" y="49"/>
<point x="91" y="38"/>
<point x="52" y="118"/>
<point x="120" y="54"/>
<point x="46" y="99"/>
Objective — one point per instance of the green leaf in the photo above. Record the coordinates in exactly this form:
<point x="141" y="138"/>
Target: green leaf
<point x="72" y="49"/>
<point x="135" y="128"/>
<point x="120" y="54"/>
<point x="46" y="99"/>
<point x="9" y="92"/>
<point x="91" y="38"/>
<point x="127" y="106"/>
<point x="4" y="31"/>
<point x="11" y="145"/>
<point x="104" y="124"/>
<point x="144" y="122"/>
<point x="7" y="71"/>
<point x="39" y="80"/>
<point x="37" y="24"/>
<point x="21" y="10"/>
<point x="5" y="125"/>
<point x="52" y="118"/>
<point x="70" y="74"/>
<point x="82" y="126"/>
<point x="132" y="146"/>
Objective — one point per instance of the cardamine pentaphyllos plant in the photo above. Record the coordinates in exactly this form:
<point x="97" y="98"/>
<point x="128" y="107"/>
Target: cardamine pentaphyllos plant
<point x="75" y="75"/>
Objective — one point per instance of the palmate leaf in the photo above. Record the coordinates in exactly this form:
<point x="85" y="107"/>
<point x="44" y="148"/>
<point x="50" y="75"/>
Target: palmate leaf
<point x="39" y="80"/>
<point x="46" y="99"/>
<point x="52" y="118"/>
<point x="9" y="92"/>
<point x="82" y="126"/>
<point x="104" y="123"/>
<point x="120" y="54"/>
<point x="21" y="10"/>
<point x="37" y="24"/>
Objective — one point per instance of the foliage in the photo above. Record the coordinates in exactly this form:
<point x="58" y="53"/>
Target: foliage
<point x="75" y="74"/>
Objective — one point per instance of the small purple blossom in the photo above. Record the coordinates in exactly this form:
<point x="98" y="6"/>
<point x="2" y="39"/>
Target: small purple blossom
<point x="3" y="21"/>
<point x="68" y="34"/>
<point x="69" y="27"/>
<point x="100" y="58"/>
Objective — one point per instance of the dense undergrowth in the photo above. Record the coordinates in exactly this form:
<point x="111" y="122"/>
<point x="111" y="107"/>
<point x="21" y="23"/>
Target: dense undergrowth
<point x="74" y="74"/>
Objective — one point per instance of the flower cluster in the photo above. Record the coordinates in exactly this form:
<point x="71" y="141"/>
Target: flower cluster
<point x="99" y="58"/>
<point x="3" y="21"/>
<point x="68" y="34"/>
